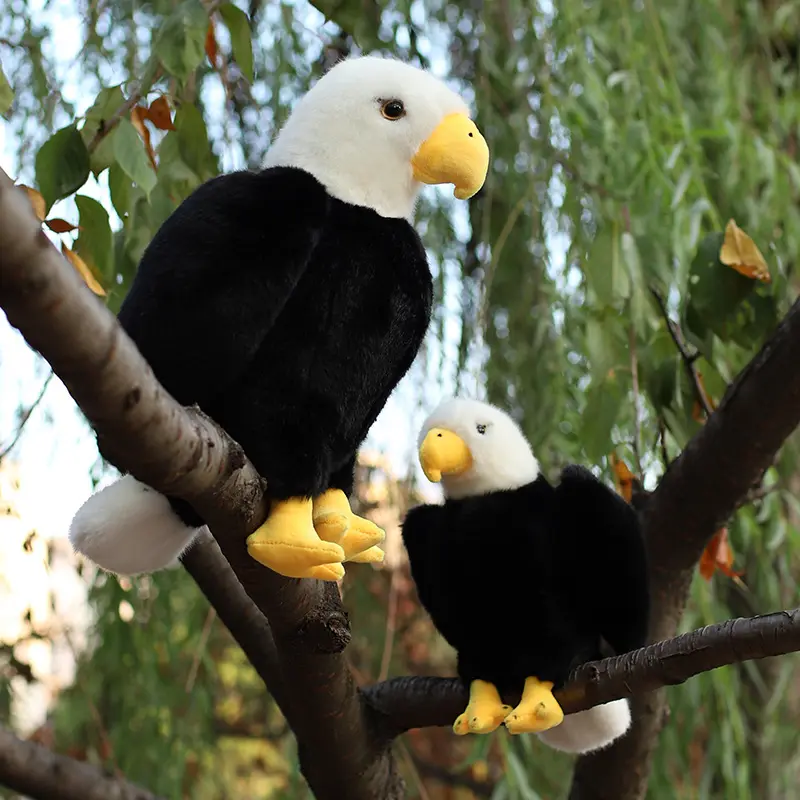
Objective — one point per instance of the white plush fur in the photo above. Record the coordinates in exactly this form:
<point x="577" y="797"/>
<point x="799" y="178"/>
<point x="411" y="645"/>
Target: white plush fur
<point x="590" y="730"/>
<point x="501" y="457"/>
<point x="129" y="528"/>
<point x="337" y="133"/>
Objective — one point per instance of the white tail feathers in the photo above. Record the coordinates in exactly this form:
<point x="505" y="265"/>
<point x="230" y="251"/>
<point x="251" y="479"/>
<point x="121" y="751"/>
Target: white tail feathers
<point x="129" y="528"/>
<point x="589" y="730"/>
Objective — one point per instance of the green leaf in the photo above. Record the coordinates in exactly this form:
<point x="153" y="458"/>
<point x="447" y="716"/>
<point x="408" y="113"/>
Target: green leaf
<point x="602" y="347"/>
<point x="635" y="290"/>
<point x="62" y="165"/>
<point x="180" y="44"/>
<point x="173" y="171"/>
<point x="132" y="157"/>
<point x="715" y="294"/>
<point x="94" y="244"/>
<point x="681" y="187"/>
<point x="120" y="186"/>
<point x="6" y="93"/>
<point x="599" y="416"/>
<point x="193" y="143"/>
<point x="520" y="777"/>
<point x="605" y="273"/>
<point x="106" y="105"/>
<point x="102" y="156"/>
<point x="239" y="26"/>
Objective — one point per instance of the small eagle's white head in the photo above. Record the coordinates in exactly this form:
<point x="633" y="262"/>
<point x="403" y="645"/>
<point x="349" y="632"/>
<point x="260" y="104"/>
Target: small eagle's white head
<point x="474" y="448"/>
<point x="372" y="130"/>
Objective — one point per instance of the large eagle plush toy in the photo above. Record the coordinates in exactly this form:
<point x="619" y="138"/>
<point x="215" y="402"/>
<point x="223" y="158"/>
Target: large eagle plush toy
<point x="524" y="579"/>
<point x="288" y="303"/>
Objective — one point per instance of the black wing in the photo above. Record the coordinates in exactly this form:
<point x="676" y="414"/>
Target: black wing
<point x="217" y="274"/>
<point x="608" y="557"/>
<point x="426" y="538"/>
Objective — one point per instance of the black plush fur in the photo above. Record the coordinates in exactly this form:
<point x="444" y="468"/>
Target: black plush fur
<point x="529" y="582"/>
<point x="287" y="315"/>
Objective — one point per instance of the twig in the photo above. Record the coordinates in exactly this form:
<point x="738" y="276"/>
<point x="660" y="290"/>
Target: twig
<point x="637" y="430"/>
<point x="107" y="125"/>
<point x="689" y="357"/>
<point x="391" y="627"/>
<point x="23" y="421"/>
<point x="201" y="646"/>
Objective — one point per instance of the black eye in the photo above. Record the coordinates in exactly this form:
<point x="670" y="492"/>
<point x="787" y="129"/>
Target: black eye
<point x="481" y="429"/>
<point x="393" y="110"/>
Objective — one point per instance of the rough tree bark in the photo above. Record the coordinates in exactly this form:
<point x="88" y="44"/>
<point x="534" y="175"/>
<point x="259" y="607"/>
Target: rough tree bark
<point x="294" y="632"/>
<point x="34" y="770"/>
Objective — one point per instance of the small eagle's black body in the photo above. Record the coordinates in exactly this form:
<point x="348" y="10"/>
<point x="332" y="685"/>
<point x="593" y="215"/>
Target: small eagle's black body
<point x="527" y="582"/>
<point x="287" y="315"/>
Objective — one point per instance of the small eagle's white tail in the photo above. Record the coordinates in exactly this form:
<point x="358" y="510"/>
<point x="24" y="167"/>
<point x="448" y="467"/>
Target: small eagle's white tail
<point x="590" y="730"/>
<point x="129" y="528"/>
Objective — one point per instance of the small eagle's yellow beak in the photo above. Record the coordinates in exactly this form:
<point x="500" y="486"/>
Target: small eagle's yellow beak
<point x="456" y="153"/>
<point x="443" y="453"/>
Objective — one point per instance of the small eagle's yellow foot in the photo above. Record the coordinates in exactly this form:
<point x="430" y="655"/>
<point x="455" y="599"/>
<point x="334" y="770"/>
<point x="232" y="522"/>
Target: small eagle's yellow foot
<point x="327" y="572"/>
<point x="331" y="513"/>
<point x="538" y="710"/>
<point x="372" y="555"/>
<point x="485" y="712"/>
<point x="288" y="544"/>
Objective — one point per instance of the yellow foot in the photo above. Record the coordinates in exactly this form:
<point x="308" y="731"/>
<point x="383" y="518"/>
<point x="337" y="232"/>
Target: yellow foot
<point x="373" y="555"/>
<point x="335" y="522"/>
<point x="485" y="712"/>
<point x="327" y="572"/>
<point x="288" y="544"/>
<point x="538" y="710"/>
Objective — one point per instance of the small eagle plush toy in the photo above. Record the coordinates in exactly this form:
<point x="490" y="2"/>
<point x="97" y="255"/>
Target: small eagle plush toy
<point x="524" y="579"/>
<point x="288" y="303"/>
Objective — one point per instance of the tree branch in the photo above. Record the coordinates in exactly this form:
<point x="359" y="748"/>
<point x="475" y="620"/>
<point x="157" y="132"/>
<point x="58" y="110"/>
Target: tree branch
<point x="421" y="702"/>
<point x="24" y="417"/>
<point x="35" y="771"/>
<point x="143" y="430"/>
<point x="698" y="493"/>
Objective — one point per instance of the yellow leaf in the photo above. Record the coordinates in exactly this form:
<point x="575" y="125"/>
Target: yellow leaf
<point x="83" y="270"/>
<point x="36" y="200"/>
<point x="623" y="477"/>
<point x="739" y="252"/>
<point x="138" y="116"/>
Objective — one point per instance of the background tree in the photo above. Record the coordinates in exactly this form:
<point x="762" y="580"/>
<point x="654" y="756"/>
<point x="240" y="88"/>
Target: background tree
<point x="583" y="289"/>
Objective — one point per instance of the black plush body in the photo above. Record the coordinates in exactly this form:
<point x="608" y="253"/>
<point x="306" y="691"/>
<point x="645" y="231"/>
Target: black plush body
<point x="527" y="582"/>
<point x="287" y="315"/>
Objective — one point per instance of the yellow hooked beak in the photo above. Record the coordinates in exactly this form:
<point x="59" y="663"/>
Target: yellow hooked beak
<point x="443" y="453"/>
<point x="454" y="153"/>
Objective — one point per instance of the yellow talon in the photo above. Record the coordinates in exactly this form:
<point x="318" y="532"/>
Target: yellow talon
<point x="373" y="555"/>
<point x="327" y="572"/>
<point x="288" y="544"/>
<point x="485" y="711"/>
<point x="538" y="710"/>
<point x="334" y="521"/>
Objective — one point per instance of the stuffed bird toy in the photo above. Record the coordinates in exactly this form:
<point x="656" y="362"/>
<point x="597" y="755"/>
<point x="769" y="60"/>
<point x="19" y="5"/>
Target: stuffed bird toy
<point x="524" y="579"/>
<point x="288" y="303"/>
